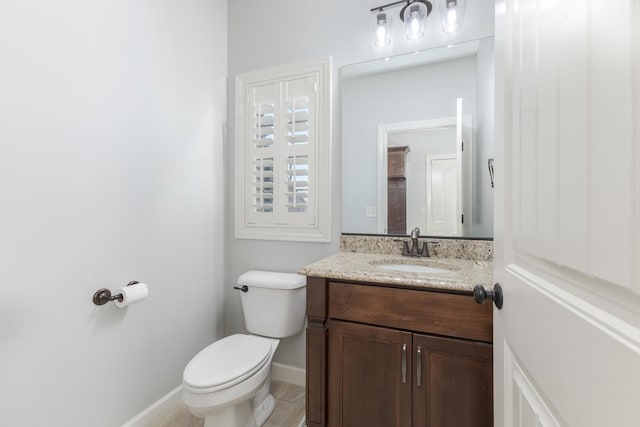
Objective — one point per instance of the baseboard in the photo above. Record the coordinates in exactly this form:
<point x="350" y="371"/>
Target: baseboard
<point x="288" y="374"/>
<point x="158" y="410"/>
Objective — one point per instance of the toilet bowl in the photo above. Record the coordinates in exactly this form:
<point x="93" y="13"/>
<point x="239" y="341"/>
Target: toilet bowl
<point x="227" y="393"/>
<point x="227" y="383"/>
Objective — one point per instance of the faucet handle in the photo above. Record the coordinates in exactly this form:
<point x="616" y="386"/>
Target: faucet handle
<point x="424" y="252"/>
<point x="405" y="246"/>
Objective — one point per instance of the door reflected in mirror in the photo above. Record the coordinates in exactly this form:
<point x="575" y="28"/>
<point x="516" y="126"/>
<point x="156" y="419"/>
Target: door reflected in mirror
<point x="417" y="133"/>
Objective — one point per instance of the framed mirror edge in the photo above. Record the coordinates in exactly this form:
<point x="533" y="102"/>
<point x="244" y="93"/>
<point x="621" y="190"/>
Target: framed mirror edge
<point x="410" y="56"/>
<point x="466" y="44"/>
<point x="486" y="239"/>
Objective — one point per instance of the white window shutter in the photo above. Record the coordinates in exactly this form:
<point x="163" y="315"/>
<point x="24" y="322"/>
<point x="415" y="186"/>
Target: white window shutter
<point x="260" y="134"/>
<point x="282" y="146"/>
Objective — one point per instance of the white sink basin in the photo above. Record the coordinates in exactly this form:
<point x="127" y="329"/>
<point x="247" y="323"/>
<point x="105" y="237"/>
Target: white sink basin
<point x="412" y="268"/>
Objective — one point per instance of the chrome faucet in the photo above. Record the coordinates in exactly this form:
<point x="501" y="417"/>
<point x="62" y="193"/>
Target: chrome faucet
<point x="415" y="250"/>
<point x="415" y="233"/>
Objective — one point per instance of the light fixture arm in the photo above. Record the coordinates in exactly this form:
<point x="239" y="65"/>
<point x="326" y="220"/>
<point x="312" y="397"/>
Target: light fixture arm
<point x="406" y="4"/>
<point x="386" y="6"/>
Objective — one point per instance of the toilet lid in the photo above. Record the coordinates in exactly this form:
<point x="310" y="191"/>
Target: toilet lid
<point x="226" y="360"/>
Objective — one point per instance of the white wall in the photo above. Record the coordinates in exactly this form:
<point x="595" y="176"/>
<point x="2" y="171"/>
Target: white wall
<point x="111" y="169"/>
<point x="263" y="34"/>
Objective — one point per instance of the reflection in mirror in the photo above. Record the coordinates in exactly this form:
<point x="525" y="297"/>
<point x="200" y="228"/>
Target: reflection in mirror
<point x="417" y="133"/>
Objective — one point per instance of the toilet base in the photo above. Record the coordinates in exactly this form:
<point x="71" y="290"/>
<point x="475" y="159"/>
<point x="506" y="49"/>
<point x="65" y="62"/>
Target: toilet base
<point x="262" y="412"/>
<point x="242" y="415"/>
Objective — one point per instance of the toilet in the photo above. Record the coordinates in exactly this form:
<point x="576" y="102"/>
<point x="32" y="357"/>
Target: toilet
<point x="227" y="383"/>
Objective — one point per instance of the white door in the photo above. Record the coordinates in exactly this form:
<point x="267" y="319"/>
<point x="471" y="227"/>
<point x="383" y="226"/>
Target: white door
<point x="567" y="231"/>
<point x="464" y="150"/>
<point x="442" y="195"/>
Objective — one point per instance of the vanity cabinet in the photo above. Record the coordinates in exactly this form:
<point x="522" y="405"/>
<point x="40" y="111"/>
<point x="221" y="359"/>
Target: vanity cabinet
<point x="391" y="356"/>
<point x="397" y="190"/>
<point x="369" y="381"/>
<point x="396" y="161"/>
<point x="397" y="206"/>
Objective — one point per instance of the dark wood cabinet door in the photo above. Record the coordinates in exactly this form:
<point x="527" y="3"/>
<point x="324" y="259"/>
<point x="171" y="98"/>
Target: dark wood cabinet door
<point x="396" y="161"/>
<point x="456" y="383"/>
<point x="366" y="384"/>
<point x="397" y="206"/>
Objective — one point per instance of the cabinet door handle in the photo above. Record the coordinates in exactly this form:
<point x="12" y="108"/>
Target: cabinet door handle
<point x="404" y="363"/>
<point x="419" y="367"/>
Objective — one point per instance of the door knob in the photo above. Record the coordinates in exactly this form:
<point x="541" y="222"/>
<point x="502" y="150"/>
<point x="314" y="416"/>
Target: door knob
<point x="480" y="294"/>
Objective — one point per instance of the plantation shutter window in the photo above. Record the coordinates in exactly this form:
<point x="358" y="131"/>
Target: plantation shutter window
<point x="282" y="145"/>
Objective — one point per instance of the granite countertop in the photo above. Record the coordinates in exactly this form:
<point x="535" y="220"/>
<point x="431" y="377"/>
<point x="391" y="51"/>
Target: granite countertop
<point x="363" y="267"/>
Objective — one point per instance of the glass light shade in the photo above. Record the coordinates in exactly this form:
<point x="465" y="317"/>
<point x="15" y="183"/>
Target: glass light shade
<point x="415" y="14"/>
<point x="382" y="30"/>
<point x="452" y="14"/>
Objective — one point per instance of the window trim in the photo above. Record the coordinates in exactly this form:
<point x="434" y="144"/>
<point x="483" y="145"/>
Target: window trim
<point x="321" y="230"/>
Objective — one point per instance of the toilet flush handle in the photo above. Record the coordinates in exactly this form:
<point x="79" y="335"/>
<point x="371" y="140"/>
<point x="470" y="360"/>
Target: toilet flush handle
<point x="245" y="288"/>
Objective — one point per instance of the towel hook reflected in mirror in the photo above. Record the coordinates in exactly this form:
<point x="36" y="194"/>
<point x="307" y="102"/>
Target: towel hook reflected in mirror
<point x="491" y="174"/>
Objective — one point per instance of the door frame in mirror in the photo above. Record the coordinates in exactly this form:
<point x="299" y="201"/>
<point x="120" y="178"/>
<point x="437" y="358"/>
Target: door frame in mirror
<point x="384" y="129"/>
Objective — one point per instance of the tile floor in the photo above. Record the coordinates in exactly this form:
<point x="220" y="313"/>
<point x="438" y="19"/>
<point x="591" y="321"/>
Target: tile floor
<point x="288" y="412"/>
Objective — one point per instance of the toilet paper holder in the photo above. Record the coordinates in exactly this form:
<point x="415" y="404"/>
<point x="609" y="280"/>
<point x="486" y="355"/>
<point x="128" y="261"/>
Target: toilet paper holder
<point x="103" y="296"/>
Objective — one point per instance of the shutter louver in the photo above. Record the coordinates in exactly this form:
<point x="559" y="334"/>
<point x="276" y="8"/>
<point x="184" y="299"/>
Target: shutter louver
<point x="265" y="125"/>
<point x="263" y="180"/>
<point x="298" y="120"/>
<point x="297" y="183"/>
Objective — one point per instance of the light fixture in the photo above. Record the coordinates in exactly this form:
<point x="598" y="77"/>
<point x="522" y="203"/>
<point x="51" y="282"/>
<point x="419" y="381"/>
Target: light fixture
<point x="382" y="29"/>
<point x="451" y="13"/>
<point x="414" y="14"/>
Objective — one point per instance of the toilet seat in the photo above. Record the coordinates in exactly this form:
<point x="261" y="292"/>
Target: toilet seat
<point x="226" y="362"/>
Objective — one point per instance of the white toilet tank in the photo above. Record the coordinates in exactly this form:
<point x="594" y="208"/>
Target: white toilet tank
<point x="274" y="304"/>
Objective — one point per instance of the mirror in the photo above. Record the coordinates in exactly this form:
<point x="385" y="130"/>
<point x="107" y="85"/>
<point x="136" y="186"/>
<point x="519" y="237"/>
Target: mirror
<point x="417" y="143"/>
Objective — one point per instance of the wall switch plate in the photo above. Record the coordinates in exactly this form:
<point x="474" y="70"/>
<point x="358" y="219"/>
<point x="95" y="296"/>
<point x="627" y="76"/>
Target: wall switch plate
<point x="370" y="212"/>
